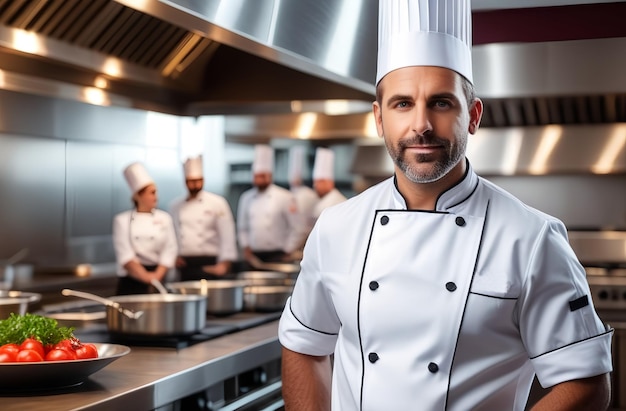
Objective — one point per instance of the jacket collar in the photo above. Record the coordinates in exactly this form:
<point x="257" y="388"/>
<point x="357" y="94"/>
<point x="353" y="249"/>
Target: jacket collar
<point x="448" y="199"/>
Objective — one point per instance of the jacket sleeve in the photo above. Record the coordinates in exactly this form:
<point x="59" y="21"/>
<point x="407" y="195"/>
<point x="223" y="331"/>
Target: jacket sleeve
<point x="121" y="240"/>
<point x="243" y="225"/>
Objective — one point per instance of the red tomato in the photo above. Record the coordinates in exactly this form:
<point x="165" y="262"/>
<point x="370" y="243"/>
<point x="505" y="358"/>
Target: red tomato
<point x="8" y="356"/>
<point x="33" y="344"/>
<point x="65" y="345"/>
<point x="14" y="348"/>
<point x="86" y="350"/>
<point x="28" y="356"/>
<point x="59" y="354"/>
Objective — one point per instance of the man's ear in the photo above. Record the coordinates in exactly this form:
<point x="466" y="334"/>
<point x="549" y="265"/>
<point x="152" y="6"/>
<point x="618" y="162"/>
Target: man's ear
<point x="476" y="113"/>
<point x="378" y="119"/>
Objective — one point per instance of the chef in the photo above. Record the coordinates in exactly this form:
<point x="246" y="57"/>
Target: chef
<point x="143" y="237"/>
<point x="306" y="197"/>
<point x="269" y="226"/>
<point x="324" y="181"/>
<point x="435" y="289"/>
<point x="205" y="228"/>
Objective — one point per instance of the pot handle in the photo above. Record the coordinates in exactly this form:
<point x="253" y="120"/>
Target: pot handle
<point x="110" y="303"/>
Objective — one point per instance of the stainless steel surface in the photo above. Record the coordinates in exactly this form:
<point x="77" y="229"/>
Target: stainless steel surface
<point x="223" y="297"/>
<point x="17" y="302"/>
<point x="599" y="248"/>
<point x="265" y="278"/>
<point x="150" y="378"/>
<point x="56" y="375"/>
<point x="163" y="315"/>
<point x="266" y="297"/>
<point x="133" y="315"/>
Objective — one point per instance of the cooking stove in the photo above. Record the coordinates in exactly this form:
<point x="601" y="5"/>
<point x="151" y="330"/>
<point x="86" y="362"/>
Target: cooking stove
<point x="94" y="328"/>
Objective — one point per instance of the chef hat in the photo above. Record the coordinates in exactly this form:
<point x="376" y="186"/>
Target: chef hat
<point x="263" y="159"/>
<point x="137" y="177"/>
<point x="193" y="168"/>
<point x="296" y="163"/>
<point x="425" y="33"/>
<point x="323" y="169"/>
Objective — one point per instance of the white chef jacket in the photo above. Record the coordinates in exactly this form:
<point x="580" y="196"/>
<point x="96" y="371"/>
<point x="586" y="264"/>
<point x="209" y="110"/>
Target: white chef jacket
<point x="269" y="220"/>
<point x="331" y="198"/>
<point x="205" y="227"/>
<point x="306" y="199"/>
<point x="148" y="238"/>
<point x="452" y="309"/>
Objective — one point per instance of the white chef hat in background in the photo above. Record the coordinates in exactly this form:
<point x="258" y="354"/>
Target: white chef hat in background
<point x="425" y="33"/>
<point x="193" y="168"/>
<point x="263" y="159"/>
<point x="137" y="177"/>
<point x="296" y="163"/>
<point x="324" y="167"/>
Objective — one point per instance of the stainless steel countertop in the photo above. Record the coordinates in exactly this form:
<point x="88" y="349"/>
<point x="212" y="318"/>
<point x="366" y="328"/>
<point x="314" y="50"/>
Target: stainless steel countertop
<point x="148" y="378"/>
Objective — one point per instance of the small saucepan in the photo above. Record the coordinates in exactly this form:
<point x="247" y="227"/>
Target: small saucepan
<point x="17" y="302"/>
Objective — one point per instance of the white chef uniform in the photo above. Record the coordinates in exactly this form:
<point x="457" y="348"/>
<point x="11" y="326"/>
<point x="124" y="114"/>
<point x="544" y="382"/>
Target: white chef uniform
<point x="268" y="220"/>
<point x="205" y="225"/>
<point x="148" y="238"/>
<point x="305" y="196"/>
<point x="422" y="309"/>
<point x="324" y="169"/>
<point x="455" y="308"/>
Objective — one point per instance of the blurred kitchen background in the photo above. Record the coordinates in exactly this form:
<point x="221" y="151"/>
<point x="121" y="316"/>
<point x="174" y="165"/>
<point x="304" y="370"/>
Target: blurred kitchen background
<point x="87" y="87"/>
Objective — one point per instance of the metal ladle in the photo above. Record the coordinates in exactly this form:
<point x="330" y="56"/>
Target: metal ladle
<point x="133" y="315"/>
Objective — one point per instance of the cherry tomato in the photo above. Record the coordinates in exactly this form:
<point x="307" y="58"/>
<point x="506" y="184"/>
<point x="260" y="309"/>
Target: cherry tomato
<point x="59" y="354"/>
<point x="86" y="350"/>
<point x="33" y="344"/>
<point x="66" y="345"/>
<point x="8" y="356"/>
<point x="28" y="356"/>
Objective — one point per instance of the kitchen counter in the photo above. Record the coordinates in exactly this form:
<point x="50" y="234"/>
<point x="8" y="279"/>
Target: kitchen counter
<point x="149" y="378"/>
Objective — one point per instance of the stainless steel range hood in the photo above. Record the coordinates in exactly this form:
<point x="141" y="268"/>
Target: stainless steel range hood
<point x="189" y="57"/>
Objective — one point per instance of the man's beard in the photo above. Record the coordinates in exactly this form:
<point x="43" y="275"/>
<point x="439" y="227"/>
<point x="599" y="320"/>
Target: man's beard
<point x="194" y="191"/>
<point x="452" y="154"/>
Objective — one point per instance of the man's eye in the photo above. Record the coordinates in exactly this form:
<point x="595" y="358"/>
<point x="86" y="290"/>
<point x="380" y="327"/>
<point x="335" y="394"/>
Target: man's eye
<point x="442" y="104"/>
<point x="402" y="104"/>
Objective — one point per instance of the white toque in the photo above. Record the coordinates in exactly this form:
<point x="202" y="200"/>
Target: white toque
<point x="263" y="159"/>
<point x="296" y="163"/>
<point x="137" y="177"/>
<point x="324" y="167"/>
<point x="425" y="33"/>
<point x="193" y="168"/>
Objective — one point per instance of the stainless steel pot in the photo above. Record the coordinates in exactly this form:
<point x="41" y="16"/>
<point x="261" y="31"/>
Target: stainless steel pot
<point x="223" y="297"/>
<point x="265" y="278"/>
<point x="151" y="314"/>
<point x="17" y="302"/>
<point x="266" y="297"/>
<point x="163" y="314"/>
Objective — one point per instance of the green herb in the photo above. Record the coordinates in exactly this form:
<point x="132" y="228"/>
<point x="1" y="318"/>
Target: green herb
<point x="17" y="328"/>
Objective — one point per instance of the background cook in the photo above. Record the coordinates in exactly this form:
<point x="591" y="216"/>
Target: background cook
<point x="205" y="229"/>
<point x="269" y="226"/>
<point x="324" y="182"/>
<point x="143" y="237"/>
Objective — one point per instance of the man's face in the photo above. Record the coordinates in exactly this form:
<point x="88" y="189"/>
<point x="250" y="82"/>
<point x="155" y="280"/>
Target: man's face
<point x="323" y="186"/>
<point x="194" y="185"/>
<point x="424" y="119"/>
<point x="262" y="180"/>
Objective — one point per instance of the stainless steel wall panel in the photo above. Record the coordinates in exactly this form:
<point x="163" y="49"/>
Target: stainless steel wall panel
<point x="32" y="197"/>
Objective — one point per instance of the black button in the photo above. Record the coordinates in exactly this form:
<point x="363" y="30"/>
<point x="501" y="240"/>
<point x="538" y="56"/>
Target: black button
<point x="373" y="357"/>
<point x="373" y="285"/>
<point x="432" y="367"/>
<point x="384" y="220"/>
<point x="460" y="221"/>
<point x="450" y="286"/>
